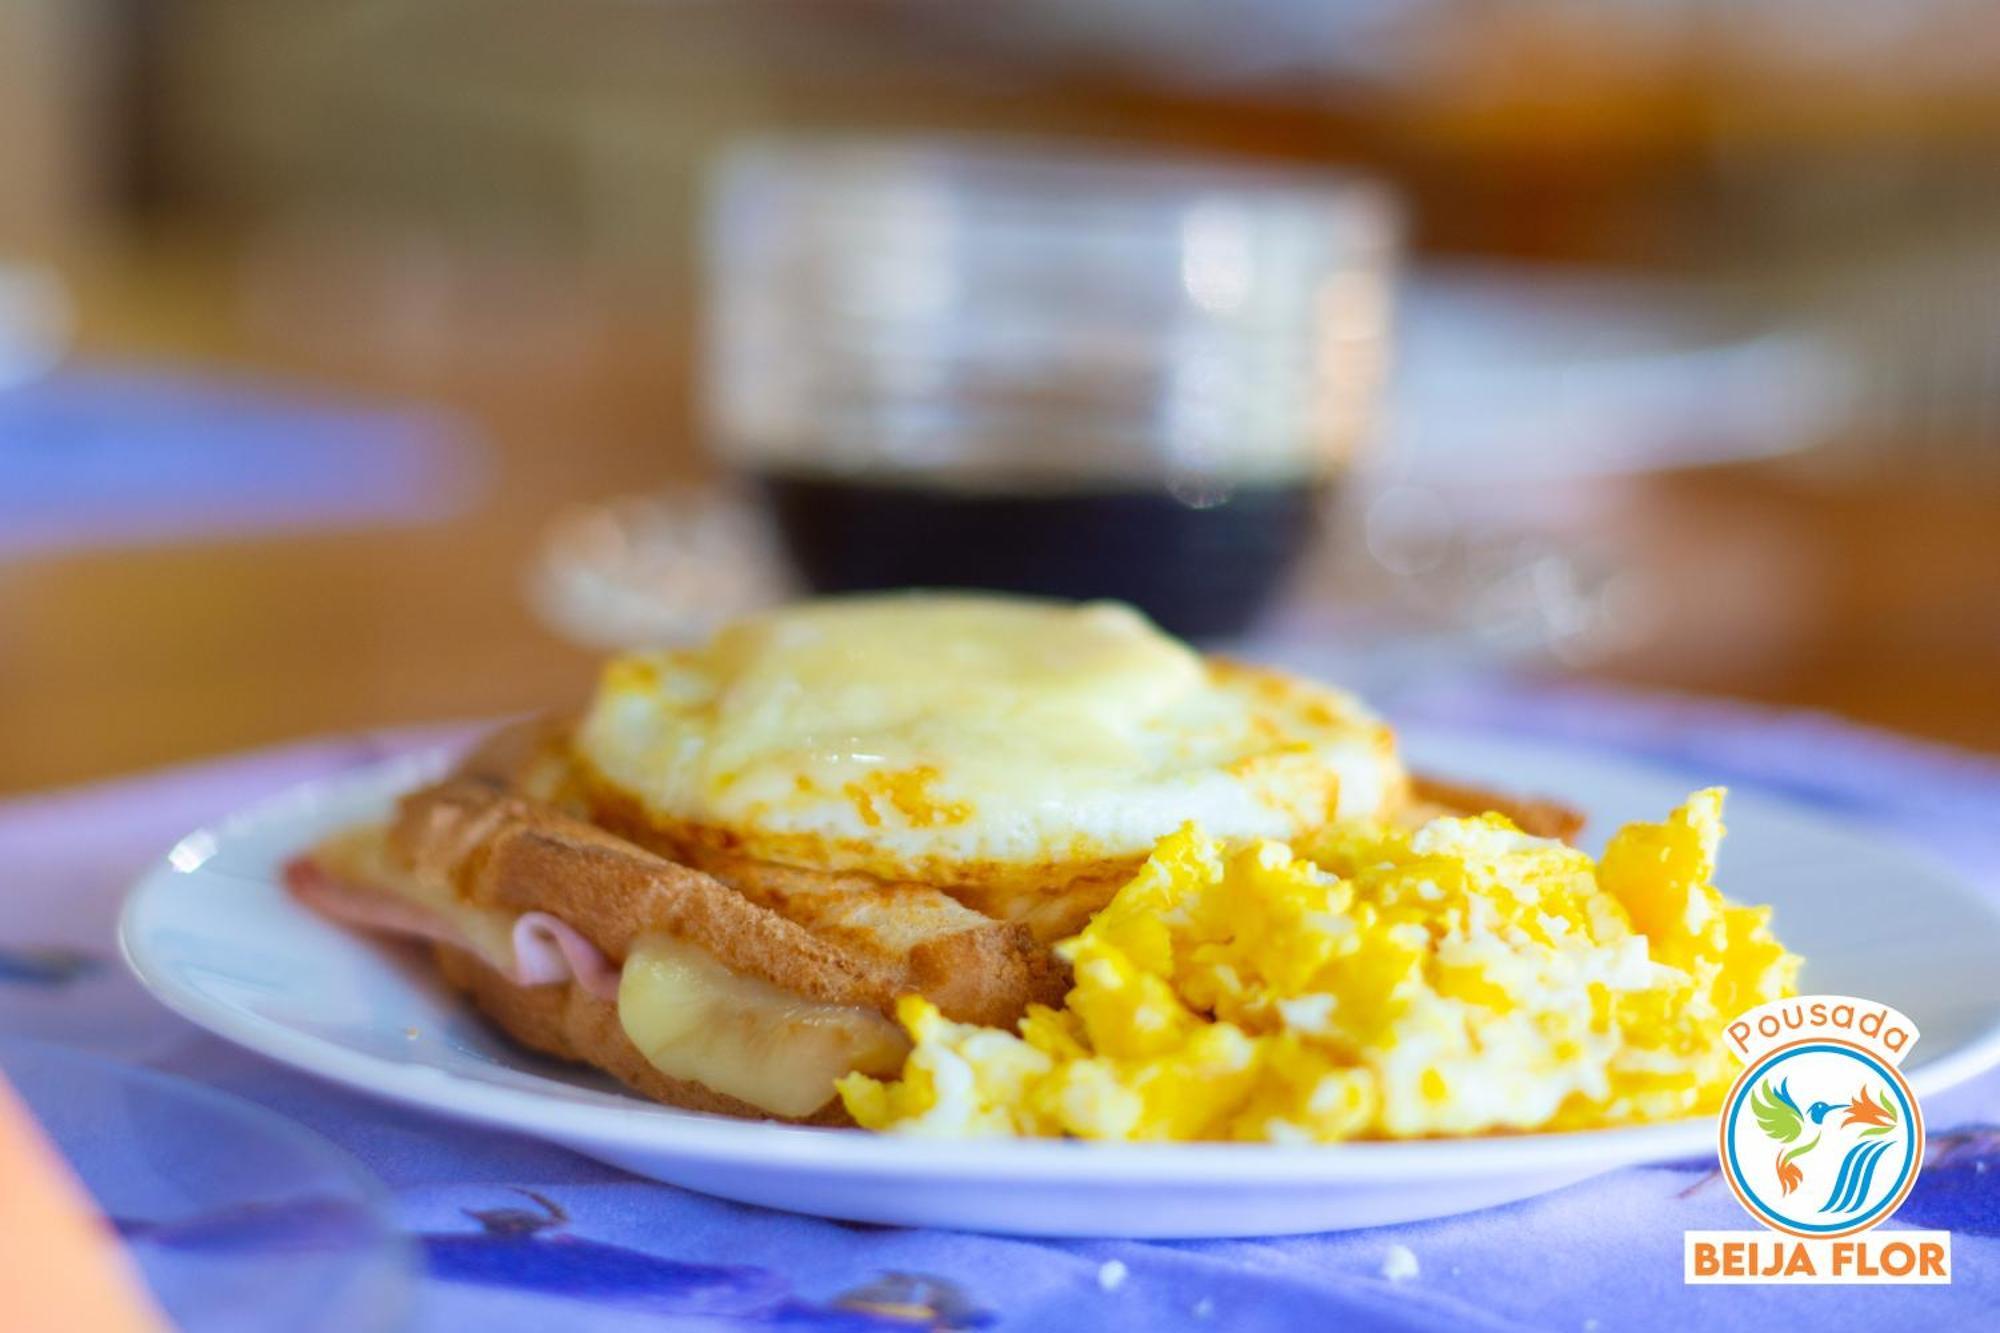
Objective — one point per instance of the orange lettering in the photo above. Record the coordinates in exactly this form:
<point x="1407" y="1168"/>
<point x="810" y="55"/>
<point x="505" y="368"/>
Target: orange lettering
<point x="1898" y="1258"/>
<point x="1933" y="1258"/>
<point x="1705" y="1263"/>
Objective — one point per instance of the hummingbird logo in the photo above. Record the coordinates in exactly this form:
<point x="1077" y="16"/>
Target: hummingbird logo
<point x="1820" y="1138"/>
<point x="1778" y="1115"/>
<point x="1780" y="1118"/>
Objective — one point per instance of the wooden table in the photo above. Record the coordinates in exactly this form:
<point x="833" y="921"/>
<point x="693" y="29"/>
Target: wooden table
<point x="1878" y="601"/>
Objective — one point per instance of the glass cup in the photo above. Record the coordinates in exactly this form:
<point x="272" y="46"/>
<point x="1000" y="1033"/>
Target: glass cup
<point x="971" y="363"/>
<point x="235" y="1218"/>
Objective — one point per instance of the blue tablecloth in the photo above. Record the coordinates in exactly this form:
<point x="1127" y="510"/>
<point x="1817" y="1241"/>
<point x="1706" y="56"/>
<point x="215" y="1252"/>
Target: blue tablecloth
<point x="511" y="1234"/>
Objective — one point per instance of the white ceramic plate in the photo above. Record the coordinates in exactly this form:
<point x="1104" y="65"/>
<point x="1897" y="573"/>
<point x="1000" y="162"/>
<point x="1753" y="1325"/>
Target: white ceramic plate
<point x="212" y="934"/>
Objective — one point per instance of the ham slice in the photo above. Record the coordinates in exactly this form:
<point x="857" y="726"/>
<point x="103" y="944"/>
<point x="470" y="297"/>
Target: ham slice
<point x="547" y="950"/>
<point x="365" y="906"/>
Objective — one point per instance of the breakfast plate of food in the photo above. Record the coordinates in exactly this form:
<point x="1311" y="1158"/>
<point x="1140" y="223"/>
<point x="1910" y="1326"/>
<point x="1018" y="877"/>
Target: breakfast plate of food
<point x="1024" y="917"/>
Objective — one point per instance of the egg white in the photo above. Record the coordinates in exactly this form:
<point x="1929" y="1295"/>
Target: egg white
<point x="909" y="733"/>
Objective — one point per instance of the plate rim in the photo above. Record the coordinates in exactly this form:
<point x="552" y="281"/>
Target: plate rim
<point x="829" y="1151"/>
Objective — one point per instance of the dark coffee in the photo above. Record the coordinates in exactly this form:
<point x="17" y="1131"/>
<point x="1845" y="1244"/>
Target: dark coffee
<point x="1202" y="567"/>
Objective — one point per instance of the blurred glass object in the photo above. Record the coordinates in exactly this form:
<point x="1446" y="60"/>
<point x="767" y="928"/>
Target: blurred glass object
<point x="671" y="567"/>
<point x="970" y="363"/>
<point x="1494" y="526"/>
<point x="189" y="1177"/>
<point x="1501" y="523"/>
<point x="1520" y="375"/>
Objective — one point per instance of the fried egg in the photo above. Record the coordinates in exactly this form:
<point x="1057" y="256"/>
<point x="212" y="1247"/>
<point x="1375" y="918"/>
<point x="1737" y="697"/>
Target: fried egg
<point x="1460" y="978"/>
<point x="915" y="736"/>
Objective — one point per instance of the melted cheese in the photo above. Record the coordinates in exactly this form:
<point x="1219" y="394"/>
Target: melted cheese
<point x="912" y="733"/>
<point x="692" y="1018"/>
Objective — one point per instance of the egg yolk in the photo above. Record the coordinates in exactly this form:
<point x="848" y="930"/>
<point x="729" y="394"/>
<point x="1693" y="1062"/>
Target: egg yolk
<point x="1459" y="978"/>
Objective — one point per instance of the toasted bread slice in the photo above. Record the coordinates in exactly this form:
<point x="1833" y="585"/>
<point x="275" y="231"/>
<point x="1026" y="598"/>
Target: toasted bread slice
<point x="816" y="937"/>
<point x="1543" y="818"/>
<point x="463" y="861"/>
<point x="973" y="967"/>
<point x="504" y="852"/>
<point x="531" y="758"/>
<point x="471" y="849"/>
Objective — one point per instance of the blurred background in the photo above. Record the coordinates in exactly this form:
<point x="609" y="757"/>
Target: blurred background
<point x="373" y="361"/>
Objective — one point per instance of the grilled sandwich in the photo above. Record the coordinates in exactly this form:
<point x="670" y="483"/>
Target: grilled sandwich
<point x="715" y="884"/>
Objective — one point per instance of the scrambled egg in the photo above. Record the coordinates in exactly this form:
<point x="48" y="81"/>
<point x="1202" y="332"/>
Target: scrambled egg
<point x="1460" y="978"/>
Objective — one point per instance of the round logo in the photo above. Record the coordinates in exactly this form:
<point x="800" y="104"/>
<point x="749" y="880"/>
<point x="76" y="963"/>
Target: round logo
<point x="1820" y="1138"/>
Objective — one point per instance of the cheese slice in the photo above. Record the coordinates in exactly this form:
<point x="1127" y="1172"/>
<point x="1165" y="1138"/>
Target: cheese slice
<point x="693" y="1018"/>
